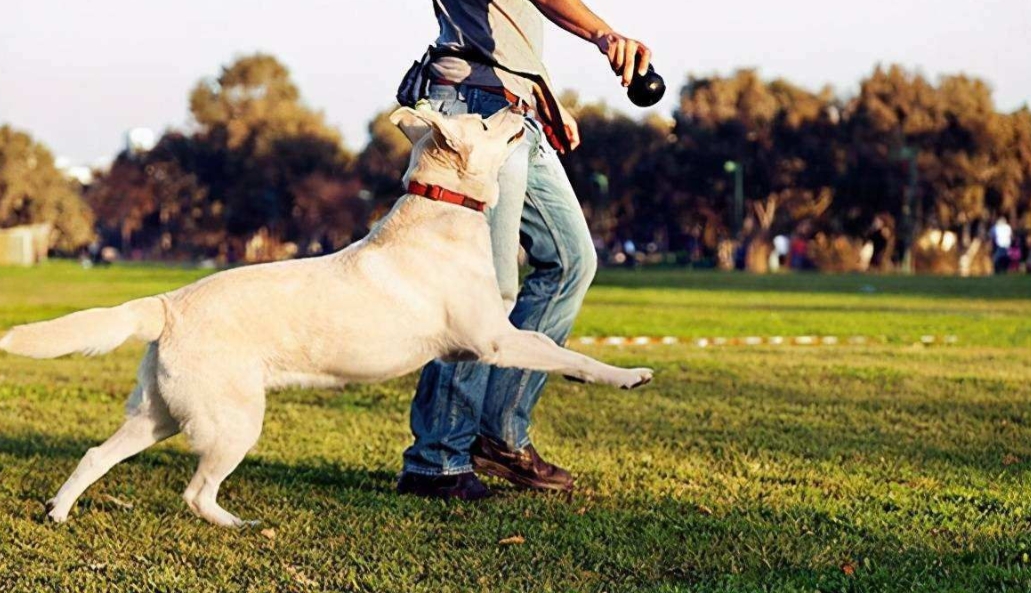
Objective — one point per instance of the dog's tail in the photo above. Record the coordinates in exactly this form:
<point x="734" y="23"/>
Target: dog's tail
<point x="90" y="332"/>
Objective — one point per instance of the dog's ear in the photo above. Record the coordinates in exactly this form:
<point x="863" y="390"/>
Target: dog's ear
<point x="416" y="123"/>
<point x="410" y="123"/>
<point x="507" y="123"/>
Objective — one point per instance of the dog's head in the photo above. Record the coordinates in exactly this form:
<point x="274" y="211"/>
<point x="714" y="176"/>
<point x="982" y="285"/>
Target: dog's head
<point x="462" y="153"/>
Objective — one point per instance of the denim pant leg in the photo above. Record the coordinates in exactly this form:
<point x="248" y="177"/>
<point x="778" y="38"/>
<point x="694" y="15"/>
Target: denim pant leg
<point x="558" y="242"/>
<point x="446" y="409"/>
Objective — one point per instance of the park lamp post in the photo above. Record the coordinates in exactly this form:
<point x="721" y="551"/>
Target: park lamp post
<point x="601" y="184"/>
<point x="738" y="169"/>
<point x="908" y="155"/>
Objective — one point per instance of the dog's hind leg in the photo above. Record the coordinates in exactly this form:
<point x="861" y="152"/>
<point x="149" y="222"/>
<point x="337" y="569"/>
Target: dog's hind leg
<point x="216" y="463"/>
<point x="149" y="422"/>
<point x="538" y="352"/>
<point x="222" y="442"/>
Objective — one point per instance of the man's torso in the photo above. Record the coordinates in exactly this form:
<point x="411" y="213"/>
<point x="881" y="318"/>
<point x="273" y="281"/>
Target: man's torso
<point x="507" y="32"/>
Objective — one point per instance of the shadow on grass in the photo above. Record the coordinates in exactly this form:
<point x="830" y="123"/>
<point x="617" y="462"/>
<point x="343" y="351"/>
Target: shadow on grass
<point x="30" y="445"/>
<point x="983" y="433"/>
<point x="656" y="543"/>
<point x="977" y="427"/>
<point x="755" y="547"/>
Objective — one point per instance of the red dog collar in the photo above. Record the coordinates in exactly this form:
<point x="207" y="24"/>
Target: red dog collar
<point x="440" y="194"/>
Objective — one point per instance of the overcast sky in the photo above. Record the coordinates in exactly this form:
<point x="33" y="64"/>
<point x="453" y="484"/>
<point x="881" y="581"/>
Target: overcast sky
<point x="77" y="75"/>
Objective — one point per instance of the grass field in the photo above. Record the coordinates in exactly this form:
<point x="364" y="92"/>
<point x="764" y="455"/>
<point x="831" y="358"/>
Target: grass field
<point x="885" y="467"/>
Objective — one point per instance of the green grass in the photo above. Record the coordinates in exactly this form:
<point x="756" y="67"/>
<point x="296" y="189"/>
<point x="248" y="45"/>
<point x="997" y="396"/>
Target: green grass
<point x="888" y="467"/>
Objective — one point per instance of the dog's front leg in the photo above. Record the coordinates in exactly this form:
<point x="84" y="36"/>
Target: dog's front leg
<point x="538" y="352"/>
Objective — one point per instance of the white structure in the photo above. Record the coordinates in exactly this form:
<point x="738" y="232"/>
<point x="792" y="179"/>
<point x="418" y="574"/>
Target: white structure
<point x="139" y="140"/>
<point x="24" y="245"/>
<point x="80" y="173"/>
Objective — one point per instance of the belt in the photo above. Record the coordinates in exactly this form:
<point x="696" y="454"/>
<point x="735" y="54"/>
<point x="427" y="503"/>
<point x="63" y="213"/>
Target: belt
<point x="515" y="100"/>
<point x="494" y="90"/>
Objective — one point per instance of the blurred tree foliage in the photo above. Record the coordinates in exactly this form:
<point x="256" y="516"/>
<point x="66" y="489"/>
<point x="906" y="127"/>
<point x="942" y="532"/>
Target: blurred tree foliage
<point x="259" y="160"/>
<point x="972" y="161"/>
<point x="812" y="158"/>
<point x="33" y="190"/>
<point x="384" y="159"/>
<point x="612" y="170"/>
<point x="261" y="163"/>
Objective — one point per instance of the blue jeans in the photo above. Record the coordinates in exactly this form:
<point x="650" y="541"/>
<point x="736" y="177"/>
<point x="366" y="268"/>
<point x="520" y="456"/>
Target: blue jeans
<point x="537" y="208"/>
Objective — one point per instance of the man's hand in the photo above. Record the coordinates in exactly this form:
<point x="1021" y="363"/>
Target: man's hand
<point x="575" y="17"/>
<point x="623" y="52"/>
<point x="572" y="130"/>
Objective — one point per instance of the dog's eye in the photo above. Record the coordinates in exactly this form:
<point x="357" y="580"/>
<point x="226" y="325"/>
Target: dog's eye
<point x="517" y="136"/>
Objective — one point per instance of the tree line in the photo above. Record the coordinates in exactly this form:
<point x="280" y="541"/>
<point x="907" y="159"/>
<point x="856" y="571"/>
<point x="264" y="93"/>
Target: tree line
<point x="261" y="175"/>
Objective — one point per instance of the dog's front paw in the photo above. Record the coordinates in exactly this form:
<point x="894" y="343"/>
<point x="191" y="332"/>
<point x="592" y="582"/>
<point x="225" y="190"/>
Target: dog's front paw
<point x="55" y="515"/>
<point x="636" y="377"/>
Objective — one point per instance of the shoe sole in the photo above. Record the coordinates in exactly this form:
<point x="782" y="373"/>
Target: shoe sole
<point x="443" y="495"/>
<point x="491" y="468"/>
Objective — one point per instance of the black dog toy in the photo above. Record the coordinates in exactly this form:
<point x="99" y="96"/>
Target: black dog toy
<point x="646" y="89"/>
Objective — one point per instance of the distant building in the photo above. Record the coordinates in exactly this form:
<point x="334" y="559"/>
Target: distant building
<point x="140" y="140"/>
<point x="24" y="245"/>
<point x="80" y="173"/>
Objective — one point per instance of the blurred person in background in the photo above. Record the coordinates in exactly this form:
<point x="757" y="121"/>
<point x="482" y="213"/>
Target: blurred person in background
<point x="1002" y="240"/>
<point x="879" y="235"/>
<point x="1016" y="252"/>
<point x="781" y="249"/>
<point x="1027" y="251"/>
<point x="799" y="252"/>
<point x="487" y="57"/>
<point x="630" y="250"/>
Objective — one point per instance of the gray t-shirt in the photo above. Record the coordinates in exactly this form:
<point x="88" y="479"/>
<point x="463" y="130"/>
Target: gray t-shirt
<point x="506" y="32"/>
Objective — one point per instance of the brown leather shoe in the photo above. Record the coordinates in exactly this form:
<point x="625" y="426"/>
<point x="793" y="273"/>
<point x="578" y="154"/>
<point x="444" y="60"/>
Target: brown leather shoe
<point x="523" y="467"/>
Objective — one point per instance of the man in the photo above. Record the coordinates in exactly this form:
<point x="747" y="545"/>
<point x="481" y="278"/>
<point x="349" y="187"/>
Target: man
<point x="1002" y="238"/>
<point x="487" y="57"/>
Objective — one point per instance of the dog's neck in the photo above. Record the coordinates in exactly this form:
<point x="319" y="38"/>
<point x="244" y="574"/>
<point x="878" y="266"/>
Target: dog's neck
<point x="473" y="187"/>
<point x="417" y="219"/>
<point x="444" y="169"/>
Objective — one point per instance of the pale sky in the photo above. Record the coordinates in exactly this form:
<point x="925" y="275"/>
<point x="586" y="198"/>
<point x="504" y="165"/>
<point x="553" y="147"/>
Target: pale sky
<point x="78" y="75"/>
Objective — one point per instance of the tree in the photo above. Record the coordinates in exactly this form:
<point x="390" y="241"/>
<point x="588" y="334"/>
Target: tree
<point x="262" y="142"/>
<point x="608" y="171"/>
<point x="255" y="104"/>
<point x="783" y="140"/>
<point x="384" y="159"/>
<point x="1009" y="185"/>
<point x="32" y="190"/>
<point x="971" y="162"/>
<point x="260" y="161"/>
<point x="156" y="202"/>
